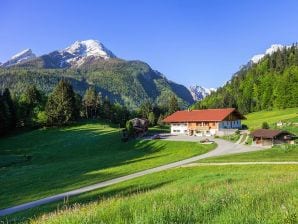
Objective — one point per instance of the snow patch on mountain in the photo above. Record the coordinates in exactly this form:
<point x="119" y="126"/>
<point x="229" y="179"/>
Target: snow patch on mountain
<point x="199" y="92"/>
<point x="22" y="56"/>
<point x="76" y="53"/>
<point x="274" y="47"/>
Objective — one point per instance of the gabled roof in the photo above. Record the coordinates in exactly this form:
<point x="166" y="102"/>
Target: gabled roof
<point x="202" y="115"/>
<point x="268" y="133"/>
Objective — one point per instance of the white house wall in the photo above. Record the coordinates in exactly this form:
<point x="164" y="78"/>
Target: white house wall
<point x="179" y="128"/>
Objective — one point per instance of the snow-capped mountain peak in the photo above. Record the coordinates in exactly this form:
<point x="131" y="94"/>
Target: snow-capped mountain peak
<point x="73" y="56"/>
<point x="77" y="53"/>
<point x="22" y="56"/>
<point x="269" y="51"/>
<point x="200" y="92"/>
<point x="89" y="48"/>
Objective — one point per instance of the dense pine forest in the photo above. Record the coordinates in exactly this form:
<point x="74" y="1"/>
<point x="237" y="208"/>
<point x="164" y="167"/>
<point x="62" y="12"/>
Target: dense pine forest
<point x="33" y="108"/>
<point x="270" y="83"/>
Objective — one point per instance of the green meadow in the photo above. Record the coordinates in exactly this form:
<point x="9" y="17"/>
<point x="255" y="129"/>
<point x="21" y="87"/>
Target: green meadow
<point x="45" y="162"/>
<point x="203" y="194"/>
<point x="275" y="154"/>
<point x="255" y="120"/>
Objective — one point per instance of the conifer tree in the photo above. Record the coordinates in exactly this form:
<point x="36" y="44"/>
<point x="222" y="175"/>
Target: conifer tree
<point x="61" y="105"/>
<point x="173" y="105"/>
<point x="12" y="116"/>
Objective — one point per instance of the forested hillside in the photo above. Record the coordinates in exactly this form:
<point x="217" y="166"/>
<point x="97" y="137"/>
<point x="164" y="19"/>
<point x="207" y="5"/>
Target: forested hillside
<point x="270" y="83"/>
<point x="130" y="83"/>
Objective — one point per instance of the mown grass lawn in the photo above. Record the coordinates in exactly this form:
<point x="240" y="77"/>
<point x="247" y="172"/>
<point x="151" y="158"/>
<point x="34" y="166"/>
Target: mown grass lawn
<point x="276" y="153"/>
<point x="211" y="194"/>
<point x="255" y="120"/>
<point x="49" y="161"/>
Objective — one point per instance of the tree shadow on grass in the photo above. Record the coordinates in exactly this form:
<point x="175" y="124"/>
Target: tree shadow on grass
<point x="62" y="158"/>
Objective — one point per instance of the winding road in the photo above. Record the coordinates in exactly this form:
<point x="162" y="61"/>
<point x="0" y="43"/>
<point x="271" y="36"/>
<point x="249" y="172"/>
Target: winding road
<point x="224" y="148"/>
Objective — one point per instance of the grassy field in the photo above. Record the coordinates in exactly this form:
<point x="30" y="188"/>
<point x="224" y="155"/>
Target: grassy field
<point x="255" y="120"/>
<point x="276" y="153"/>
<point x="211" y="194"/>
<point x="49" y="161"/>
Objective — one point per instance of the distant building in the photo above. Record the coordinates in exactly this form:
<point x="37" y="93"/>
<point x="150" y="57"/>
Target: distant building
<point x="279" y="124"/>
<point x="205" y="122"/>
<point x="267" y="137"/>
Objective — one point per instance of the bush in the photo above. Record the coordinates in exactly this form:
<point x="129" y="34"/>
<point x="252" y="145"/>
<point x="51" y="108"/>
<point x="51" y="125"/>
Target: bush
<point x="129" y="128"/>
<point x="41" y="118"/>
<point x="265" y="125"/>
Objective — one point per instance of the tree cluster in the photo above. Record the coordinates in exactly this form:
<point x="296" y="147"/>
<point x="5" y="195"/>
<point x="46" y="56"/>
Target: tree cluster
<point x="32" y="108"/>
<point x="270" y="83"/>
<point x="156" y="113"/>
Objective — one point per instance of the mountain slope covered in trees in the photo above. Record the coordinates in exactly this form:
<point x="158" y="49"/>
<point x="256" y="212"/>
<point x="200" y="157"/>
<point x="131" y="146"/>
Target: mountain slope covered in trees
<point x="130" y="83"/>
<point x="270" y="83"/>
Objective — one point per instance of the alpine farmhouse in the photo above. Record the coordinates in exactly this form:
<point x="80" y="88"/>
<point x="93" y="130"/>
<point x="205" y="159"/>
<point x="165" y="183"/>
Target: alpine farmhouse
<point x="205" y="122"/>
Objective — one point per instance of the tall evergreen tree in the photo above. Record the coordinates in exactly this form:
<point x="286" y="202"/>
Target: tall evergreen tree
<point x="151" y="119"/>
<point x="90" y="102"/>
<point x="4" y="117"/>
<point x="61" y="105"/>
<point x="145" y="109"/>
<point x="173" y="105"/>
<point x="107" y="108"/>
<point x="29" y="106"/>
<point x="12" y="119"/>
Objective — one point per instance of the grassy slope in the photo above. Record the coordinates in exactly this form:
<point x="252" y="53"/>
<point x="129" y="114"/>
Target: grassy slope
<point x="68" y="158"/>
<point x="255" y="120"/>
<point x="235" y="194"/>
<point x="277" y="153"/>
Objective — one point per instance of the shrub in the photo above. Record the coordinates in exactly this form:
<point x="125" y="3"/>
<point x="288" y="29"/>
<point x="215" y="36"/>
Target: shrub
<point x="129" y="128"/>
<point x="265" y="125"/>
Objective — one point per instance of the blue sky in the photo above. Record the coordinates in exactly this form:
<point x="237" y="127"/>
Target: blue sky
<point x="191" y="42"/>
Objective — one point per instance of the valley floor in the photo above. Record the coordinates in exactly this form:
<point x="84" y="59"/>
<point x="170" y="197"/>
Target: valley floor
<point x="196" y="193"/>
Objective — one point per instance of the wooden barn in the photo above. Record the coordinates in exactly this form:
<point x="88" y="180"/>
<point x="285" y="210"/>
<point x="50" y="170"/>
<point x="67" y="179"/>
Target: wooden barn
<point x="267" y="137"/>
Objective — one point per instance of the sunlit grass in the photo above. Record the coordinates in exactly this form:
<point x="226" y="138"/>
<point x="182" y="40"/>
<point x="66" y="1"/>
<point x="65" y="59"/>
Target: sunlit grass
<point x="235" y="194"/>
<point x="276" y="153"/>
<point x="49" y="161"/>
<point x="255" y="120"/>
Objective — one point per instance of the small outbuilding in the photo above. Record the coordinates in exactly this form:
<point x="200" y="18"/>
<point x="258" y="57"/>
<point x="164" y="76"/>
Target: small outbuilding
<point x="267" y="137"/>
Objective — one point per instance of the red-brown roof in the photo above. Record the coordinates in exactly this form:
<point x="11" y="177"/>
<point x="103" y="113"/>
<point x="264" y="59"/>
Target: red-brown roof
<point x="268" y="133"/>
<point x="202" y="115"/>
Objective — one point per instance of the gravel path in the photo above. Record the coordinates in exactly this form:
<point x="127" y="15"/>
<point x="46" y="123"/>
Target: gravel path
<point x="224" y="148"/>
<point x="241" y="163"/>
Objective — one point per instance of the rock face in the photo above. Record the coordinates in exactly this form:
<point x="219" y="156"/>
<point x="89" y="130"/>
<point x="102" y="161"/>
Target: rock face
<point x="23" y="56"/>
<point x="198" y="92"/>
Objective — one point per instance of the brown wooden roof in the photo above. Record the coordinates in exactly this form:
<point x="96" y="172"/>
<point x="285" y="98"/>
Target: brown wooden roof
<point x="268" y="133"/>
<point x="202" y="115"/>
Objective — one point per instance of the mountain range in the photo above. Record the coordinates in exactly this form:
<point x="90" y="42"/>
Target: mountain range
<point x="89" y="63"/>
